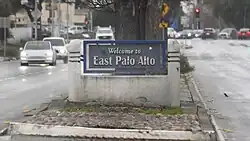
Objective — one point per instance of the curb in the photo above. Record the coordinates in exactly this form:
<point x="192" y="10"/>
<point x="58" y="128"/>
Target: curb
<point x="219" y="134"/>
<point x="16" y="128"/>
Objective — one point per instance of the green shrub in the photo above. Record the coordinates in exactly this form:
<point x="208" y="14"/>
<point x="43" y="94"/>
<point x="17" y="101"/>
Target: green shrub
<point x="185" y="67"/>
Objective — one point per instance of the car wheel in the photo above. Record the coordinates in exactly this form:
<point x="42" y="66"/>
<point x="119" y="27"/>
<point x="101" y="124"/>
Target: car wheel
<point x="65" y="60"/>
<point x="53" y="64"/>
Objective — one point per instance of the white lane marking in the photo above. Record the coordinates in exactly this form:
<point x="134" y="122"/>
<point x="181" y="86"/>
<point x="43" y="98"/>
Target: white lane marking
<point x="24" y="80"/>
<point x="49" y="73"/>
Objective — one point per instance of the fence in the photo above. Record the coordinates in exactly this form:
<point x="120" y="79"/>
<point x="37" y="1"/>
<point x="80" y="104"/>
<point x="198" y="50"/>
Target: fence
<point x="126" y="85"/>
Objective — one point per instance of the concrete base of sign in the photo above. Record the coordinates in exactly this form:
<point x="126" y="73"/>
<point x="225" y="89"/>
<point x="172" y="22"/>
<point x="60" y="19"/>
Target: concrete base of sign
<point x="136" y="90"/>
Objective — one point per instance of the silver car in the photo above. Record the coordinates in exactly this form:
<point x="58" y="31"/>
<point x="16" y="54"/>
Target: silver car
<point x="38" y="52"/>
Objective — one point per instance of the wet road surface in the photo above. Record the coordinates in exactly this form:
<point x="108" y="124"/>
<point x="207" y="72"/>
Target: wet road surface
<point x="223" y="66"/>
<point x="27" y="87"/>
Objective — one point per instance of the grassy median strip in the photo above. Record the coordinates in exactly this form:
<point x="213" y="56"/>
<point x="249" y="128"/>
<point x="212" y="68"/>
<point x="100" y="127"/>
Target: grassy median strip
<point x="150" y="111"/>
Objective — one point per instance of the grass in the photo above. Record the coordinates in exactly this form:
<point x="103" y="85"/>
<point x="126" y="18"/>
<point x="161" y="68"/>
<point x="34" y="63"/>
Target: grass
<point x="164" y="111"/>
<point x="11" y="50"/>
<point x="149" y="111"/>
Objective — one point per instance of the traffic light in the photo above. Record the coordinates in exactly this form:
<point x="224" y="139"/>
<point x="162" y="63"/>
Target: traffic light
<point x="197" y="12"/>
<point x="33" y="33"/>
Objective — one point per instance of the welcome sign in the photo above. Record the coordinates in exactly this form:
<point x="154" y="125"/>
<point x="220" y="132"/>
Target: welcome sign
<point x="125" y="57"/>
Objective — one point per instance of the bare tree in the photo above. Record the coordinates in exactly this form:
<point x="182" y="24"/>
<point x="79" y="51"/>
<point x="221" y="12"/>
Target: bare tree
<point x="100" y="5"/>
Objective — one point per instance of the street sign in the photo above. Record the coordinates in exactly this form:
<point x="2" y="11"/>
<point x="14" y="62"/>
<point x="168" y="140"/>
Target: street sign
<point x="5" y="22"/>
<point x="36" y="14"/>
<point x="163" y="25"/>
<point x="125" y="57"/>
<point x="164" y="21"/>
<point x="165" y="9"/>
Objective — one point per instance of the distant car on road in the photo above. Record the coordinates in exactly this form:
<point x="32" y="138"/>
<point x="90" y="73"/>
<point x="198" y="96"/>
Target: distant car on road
<point x="244" y="33"/>
<point x="228" y="33"/>
<point x="58" y="43"/>
<point x="73" y="30"/>
<point x="209" y="33"/>
<point x="171" y="32"/>
<point x="37" y="52"/>
<point x="197" y="33"/>
<point x="104" y="33"/>
<point x="185" y="34"/>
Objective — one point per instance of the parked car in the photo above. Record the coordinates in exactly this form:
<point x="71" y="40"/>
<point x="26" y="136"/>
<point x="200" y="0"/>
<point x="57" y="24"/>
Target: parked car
<point x="37" y="52"/>
<point x="171" y="32"/>
<point x="228" y="33"/>
<point x="185" y="34"/>
<point x="58" y="43"/>
<point x="244" y="33"/>
<point x="209" y="33"/>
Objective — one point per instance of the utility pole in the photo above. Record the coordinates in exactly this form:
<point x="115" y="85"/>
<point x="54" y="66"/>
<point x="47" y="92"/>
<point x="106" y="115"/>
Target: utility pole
<point x="36" y="18"/>
<point x="91" y="20"/>
<point x="53" y="17"/>
<point x="67" y="20"/>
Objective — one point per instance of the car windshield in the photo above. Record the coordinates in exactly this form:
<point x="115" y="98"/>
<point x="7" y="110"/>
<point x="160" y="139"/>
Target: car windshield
<point x="227" y="30"/>
<point x="55" y="42"/>
<point x="37" y="45"/>
<point x="208" y="30"/>
<point x="187" y="31"/>
<point x="104" y="31"/>
<point x="244" y="29"/>
<point x="197" y="31"/>
<point x="170" y="30"/>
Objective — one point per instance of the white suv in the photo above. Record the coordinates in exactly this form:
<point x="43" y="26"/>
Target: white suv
<point x="104" y="33"/>
<point x="76" y="30"/>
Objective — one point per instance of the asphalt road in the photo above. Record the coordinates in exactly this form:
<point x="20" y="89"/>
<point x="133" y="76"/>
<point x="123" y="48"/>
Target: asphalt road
<point x="223" y="66"/>
<point x="25" y="88"/>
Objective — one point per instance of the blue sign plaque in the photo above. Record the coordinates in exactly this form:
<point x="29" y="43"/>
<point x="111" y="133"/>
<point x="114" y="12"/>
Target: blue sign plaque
<point x="121" y="57"/>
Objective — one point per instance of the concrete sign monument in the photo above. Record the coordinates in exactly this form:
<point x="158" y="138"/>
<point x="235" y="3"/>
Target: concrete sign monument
<point x="125" y="57"/>
<point x="125" y="72"/>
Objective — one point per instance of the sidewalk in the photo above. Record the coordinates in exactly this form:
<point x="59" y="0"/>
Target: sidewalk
<point x="65" y="120"/>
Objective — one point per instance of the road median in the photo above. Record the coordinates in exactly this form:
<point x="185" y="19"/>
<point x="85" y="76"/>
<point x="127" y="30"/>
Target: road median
<point x="94" y="120"/>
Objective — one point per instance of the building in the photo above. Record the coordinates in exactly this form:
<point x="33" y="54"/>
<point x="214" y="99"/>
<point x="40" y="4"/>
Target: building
<point x="21" y="18"/>
<point x="76" y="16"/>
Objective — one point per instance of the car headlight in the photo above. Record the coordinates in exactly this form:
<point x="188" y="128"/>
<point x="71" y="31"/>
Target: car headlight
<point x="49" y="53"/>
<point x="23" y="54"/>
<point x="62" y="51"/>
<point x="189" y="34"/>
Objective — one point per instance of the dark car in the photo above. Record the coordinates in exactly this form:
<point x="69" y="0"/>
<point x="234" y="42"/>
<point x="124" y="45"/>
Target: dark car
<point x="228" y="33"/>
<point x="209" y="33"/>
<point x="244" y="33"/>
<point x="185" y="34"/>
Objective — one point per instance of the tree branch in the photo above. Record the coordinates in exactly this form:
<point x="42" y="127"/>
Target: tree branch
<point x="99" y="4"/>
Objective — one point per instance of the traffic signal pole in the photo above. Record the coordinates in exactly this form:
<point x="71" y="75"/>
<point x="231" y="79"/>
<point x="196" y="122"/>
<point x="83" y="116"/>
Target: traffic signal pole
<point x="197" y="16"/>
<point x="36" y="18"/>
